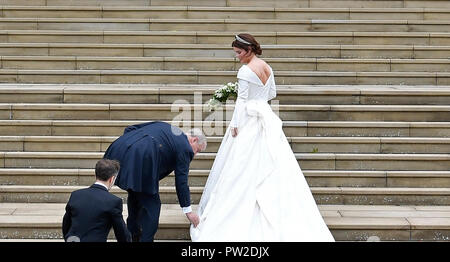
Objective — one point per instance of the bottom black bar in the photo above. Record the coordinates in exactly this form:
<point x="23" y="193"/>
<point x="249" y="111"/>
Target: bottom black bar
<point x="182" y="251"/>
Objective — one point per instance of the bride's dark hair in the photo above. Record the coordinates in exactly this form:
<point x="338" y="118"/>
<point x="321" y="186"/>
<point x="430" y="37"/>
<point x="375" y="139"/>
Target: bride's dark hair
<point x="249" y="43"/>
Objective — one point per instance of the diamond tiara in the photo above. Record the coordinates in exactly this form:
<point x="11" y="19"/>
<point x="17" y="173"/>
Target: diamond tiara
<point x="241" y="40"/>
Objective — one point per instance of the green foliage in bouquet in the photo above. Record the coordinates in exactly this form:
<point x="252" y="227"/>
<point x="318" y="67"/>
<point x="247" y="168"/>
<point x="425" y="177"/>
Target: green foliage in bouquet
<point x="221" y="95"/>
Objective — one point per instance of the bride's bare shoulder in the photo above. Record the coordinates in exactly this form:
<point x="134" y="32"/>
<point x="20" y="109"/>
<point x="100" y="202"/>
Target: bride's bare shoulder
<point x="259" y="65"/>
<point x="265" y="67"/>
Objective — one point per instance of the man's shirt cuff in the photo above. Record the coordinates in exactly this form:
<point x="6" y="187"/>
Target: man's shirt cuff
<point x="187" y="209"/>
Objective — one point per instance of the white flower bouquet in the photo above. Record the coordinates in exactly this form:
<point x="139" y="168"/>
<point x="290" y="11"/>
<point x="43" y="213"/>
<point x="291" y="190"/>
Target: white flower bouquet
<point x="222" y="94"/>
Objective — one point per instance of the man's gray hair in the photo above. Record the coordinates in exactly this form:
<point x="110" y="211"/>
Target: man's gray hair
<point x="196" y="132"/>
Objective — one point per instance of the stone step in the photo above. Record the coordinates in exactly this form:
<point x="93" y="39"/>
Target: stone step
<point x="78" y="3"/>
<point x="42" y="222"/>
<point x="215" y="128"/>
<point x="322" y="195"/>
<point x="372" y="145"/>
<point x="313" y="161"/>
<point x="205" y="12"/>
<point x="219" y="77"/>
<point x="188" y="112"/>
<point x="382" y="3"/>
<point x="223" y="25"/>
<point x="344" y="178"/>
<point x="168" y="94"/>
<point x="221" y="51"/>
<point x="208" y="37"/>
<point x="198" y="177"/>
<point x="237" y="3"/>
<point x="222" y="64"/>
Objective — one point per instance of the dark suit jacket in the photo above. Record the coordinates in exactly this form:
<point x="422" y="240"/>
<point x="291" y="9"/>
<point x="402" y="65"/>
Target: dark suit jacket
<point x="90" y="214"/>
<point x="149" y="152"/>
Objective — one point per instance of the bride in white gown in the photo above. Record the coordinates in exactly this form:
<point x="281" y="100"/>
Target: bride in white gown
<point x="256" y="190"/>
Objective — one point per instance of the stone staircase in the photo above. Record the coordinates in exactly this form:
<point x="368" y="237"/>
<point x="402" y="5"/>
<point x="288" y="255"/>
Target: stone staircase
<point x="363" y="92"/>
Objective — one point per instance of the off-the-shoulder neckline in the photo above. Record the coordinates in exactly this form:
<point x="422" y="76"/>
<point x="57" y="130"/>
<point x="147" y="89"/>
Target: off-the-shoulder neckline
<point x="264" y="84"/>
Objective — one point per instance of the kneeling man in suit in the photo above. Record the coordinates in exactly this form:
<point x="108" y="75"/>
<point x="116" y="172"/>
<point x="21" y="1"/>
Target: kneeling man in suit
<point x="91" y="212"/>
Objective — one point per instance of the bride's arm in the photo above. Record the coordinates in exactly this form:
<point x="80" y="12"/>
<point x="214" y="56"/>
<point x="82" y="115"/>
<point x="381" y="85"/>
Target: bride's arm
<point x="273" y="89"/>
<point x="239" y="108"/>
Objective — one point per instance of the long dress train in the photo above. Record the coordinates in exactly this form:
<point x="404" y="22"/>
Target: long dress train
<point x="256" y="190"/>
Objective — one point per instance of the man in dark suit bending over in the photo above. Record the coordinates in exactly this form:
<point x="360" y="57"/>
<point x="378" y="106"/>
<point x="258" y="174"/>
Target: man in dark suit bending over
<point x="149" y="152"/>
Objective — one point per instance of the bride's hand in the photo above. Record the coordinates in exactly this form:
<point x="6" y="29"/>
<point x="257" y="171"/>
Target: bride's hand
<point x="234" y="131"/>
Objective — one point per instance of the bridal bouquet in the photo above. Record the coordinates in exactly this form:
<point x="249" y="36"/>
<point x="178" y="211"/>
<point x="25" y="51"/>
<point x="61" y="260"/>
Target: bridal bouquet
<point x="221" y="95"/>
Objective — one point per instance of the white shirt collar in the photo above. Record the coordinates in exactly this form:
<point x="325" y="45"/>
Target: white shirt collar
<point x="99" y="183"/>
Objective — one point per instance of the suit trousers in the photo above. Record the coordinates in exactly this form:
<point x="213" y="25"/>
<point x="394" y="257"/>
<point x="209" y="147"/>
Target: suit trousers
<point x="143" y="215"/>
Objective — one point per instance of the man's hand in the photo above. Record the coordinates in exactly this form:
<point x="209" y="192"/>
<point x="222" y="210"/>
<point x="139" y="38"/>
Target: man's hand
<point x="234" y="131"/>
<point x="193" y="217"/>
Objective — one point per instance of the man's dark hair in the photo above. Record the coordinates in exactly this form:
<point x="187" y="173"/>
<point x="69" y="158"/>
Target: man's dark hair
<point x="106" y="168"/>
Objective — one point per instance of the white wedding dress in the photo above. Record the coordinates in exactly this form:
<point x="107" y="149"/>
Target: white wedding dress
<point x="256" y="190"/>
